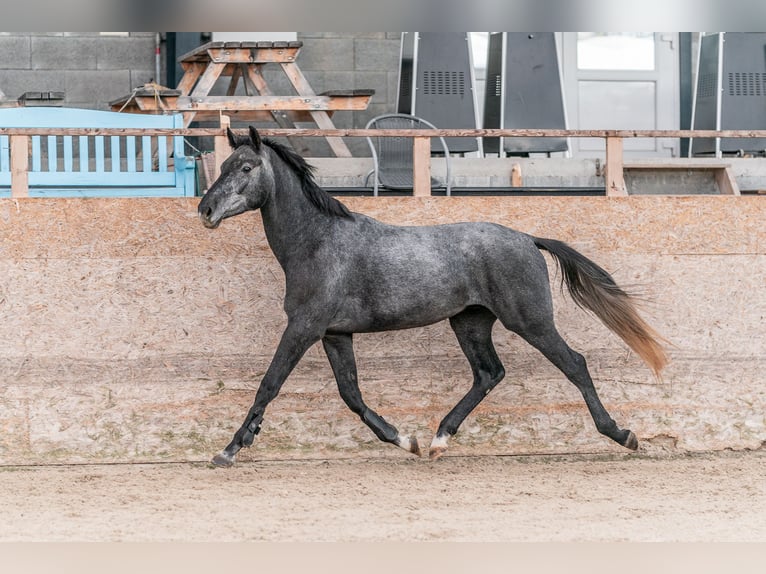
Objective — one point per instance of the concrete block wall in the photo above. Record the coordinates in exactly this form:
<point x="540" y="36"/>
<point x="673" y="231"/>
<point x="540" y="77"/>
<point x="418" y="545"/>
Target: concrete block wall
<point x="342" y="60"/>
<point x="91" y="68"/>
<point x="94" y="69"/>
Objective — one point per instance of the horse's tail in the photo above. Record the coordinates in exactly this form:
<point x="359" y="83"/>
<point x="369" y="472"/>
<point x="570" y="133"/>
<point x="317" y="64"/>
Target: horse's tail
<point x="592" y="288"/>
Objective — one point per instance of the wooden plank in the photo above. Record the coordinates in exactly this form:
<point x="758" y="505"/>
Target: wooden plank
<point x="192" y="72"/>
<point x="115" y="147"/>
<point x="254" y="55"/>
<point x="99" y="154"/>
<point x="19" y="166"/>
<point x="162" y="153"/>
<point x="263" y="102"/>
<point x="37" y="156"/>
<point x="68" y="154"/>
<point x="97" y="180"/>
<point x="221" y="149"/>
<point x="676" y="163"/>
<point x="297" y="79"/>
<point x="516" y="179"/>
<point x="52" y="154"/>
<point x="421" y="166"/>
<point x="255" y="80"/>
<point x="354" y="132"/>
<point x="146" y="154"/>
<point x="727" y="184"/>
<point x="130" y="152"/>
<point x="199" y="53"/>
<point x="337" y="145"/>
<point x="321" y="118"/>
<point x="235" y="75"/>
<point x="84" y="152"/>
<point x="615" y="180"/>
<point x="5" y="161"/>
<point x="208" y="79"/>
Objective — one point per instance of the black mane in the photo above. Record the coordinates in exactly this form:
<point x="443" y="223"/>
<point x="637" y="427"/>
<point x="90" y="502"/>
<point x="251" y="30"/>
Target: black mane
<point x="305" y="171"/>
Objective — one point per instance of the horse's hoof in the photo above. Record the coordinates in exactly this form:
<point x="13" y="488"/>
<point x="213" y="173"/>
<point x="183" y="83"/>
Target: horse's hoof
<point x="438" y="447"/>
<point x="631" y="442"/>
<point x="410" y="444"/>
<point x="222" y="460"/>
<point x="436" y="452"/>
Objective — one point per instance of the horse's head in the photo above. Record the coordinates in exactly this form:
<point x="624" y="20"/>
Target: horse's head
<point x="245" y="182"/>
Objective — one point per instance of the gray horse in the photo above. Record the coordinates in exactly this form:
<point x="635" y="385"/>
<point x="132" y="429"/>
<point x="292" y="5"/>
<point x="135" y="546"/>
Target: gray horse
<point x="347" y="273"/>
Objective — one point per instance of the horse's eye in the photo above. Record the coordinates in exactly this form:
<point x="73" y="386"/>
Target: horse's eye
<point x="246" y="168"/>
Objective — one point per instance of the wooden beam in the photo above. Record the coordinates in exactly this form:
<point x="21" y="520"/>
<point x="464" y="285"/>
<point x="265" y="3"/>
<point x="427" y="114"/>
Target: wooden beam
<point x="321" y="118"/>
<point x="287" y="103"/>
<point x="516" y="179"/>
<point x="253" y="76"/>
<point x="355" y="132"/>
<point x="421" y="166"/>
<point x="208" y="80"/>
<point x="222" y="149"/>
<point x="727" y="184"/>
<point x="253" y="55"/>
<point x="19" y="166"/>
<point x="615" y="179"/>
<point x="192" y="72"/>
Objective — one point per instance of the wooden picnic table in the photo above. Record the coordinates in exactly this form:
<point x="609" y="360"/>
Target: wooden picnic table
<point x="244" y="61"/>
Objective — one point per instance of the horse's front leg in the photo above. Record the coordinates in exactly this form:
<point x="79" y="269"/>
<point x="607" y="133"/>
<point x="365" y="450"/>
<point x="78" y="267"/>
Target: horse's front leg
<point x="296" y="340"/>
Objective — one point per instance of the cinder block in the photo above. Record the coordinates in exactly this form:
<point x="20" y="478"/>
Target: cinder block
<point x="59" y="53"/>
<point x="97" y="86"/>
<point x="16" y="82"/>
<point x="377" y="81"/>
<point x="327" y="54"/>
<point x="379" y="55"/>
<point x="126" y="53"/>
<point x="141" y="77"/>
<point x="324" y="81"/>
<point x="15" y="53"/>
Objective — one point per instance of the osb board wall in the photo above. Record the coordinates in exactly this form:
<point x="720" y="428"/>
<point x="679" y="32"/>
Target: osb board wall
<point x="131" y="333"/>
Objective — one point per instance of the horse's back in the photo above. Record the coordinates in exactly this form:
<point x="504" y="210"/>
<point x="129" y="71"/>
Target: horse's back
<point x="404" y="276"/>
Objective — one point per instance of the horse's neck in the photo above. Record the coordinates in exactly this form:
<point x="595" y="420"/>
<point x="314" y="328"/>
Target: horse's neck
<point x="292" y="224"/>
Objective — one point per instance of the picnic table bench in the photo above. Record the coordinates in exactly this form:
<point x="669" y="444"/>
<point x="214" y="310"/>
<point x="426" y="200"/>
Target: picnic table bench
<point x="244" y="61"/>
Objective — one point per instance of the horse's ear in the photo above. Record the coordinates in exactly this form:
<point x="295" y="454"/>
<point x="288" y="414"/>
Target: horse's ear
<point x="255" y="139"/>
<point x="232" y="138"/>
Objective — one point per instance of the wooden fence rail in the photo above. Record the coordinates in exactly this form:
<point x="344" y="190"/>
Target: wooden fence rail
<point x="614" y="180"/>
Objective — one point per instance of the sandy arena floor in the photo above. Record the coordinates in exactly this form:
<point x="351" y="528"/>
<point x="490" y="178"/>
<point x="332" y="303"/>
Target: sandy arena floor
<point x="695" y="498"/>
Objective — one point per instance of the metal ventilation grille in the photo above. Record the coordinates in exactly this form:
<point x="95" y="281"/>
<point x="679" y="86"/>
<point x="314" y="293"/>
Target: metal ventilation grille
<point x="440" y="83"/>
<point x="707" y="85"/>
<point x="747" y="84"/>
<point x="495" y="85"/>
<point x="404" y="86"/>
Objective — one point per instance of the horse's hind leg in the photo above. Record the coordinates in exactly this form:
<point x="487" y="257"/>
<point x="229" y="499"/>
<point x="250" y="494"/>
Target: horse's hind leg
<point x="340" y="352"/>
<point x="548" y="341"/>
<point x="473" y="328"/>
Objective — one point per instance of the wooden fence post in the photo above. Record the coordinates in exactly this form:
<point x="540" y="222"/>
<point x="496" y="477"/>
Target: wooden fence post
<point x="421" y="166"/>
<point x="19" y="166"/>
<point x="222" y="149"/>
<point x="615" y="180"/>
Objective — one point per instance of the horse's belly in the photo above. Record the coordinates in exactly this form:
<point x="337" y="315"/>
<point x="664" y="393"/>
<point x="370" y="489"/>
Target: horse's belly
<point x="400" y="310"/>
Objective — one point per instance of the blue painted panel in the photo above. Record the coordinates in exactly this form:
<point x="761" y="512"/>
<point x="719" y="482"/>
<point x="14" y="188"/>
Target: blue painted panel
<point x="106" y="179"/>
<point x="5" y="154"/>
<point x="86" y="169"/>
<point x="79" y="118"/>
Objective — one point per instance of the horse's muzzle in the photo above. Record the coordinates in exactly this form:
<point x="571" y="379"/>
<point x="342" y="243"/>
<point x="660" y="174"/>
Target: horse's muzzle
<point x="205" y="210"/>
<point x="207" y="222"/>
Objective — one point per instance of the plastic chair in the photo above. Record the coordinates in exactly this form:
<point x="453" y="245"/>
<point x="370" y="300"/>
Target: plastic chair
<point x="392" y="155"/>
